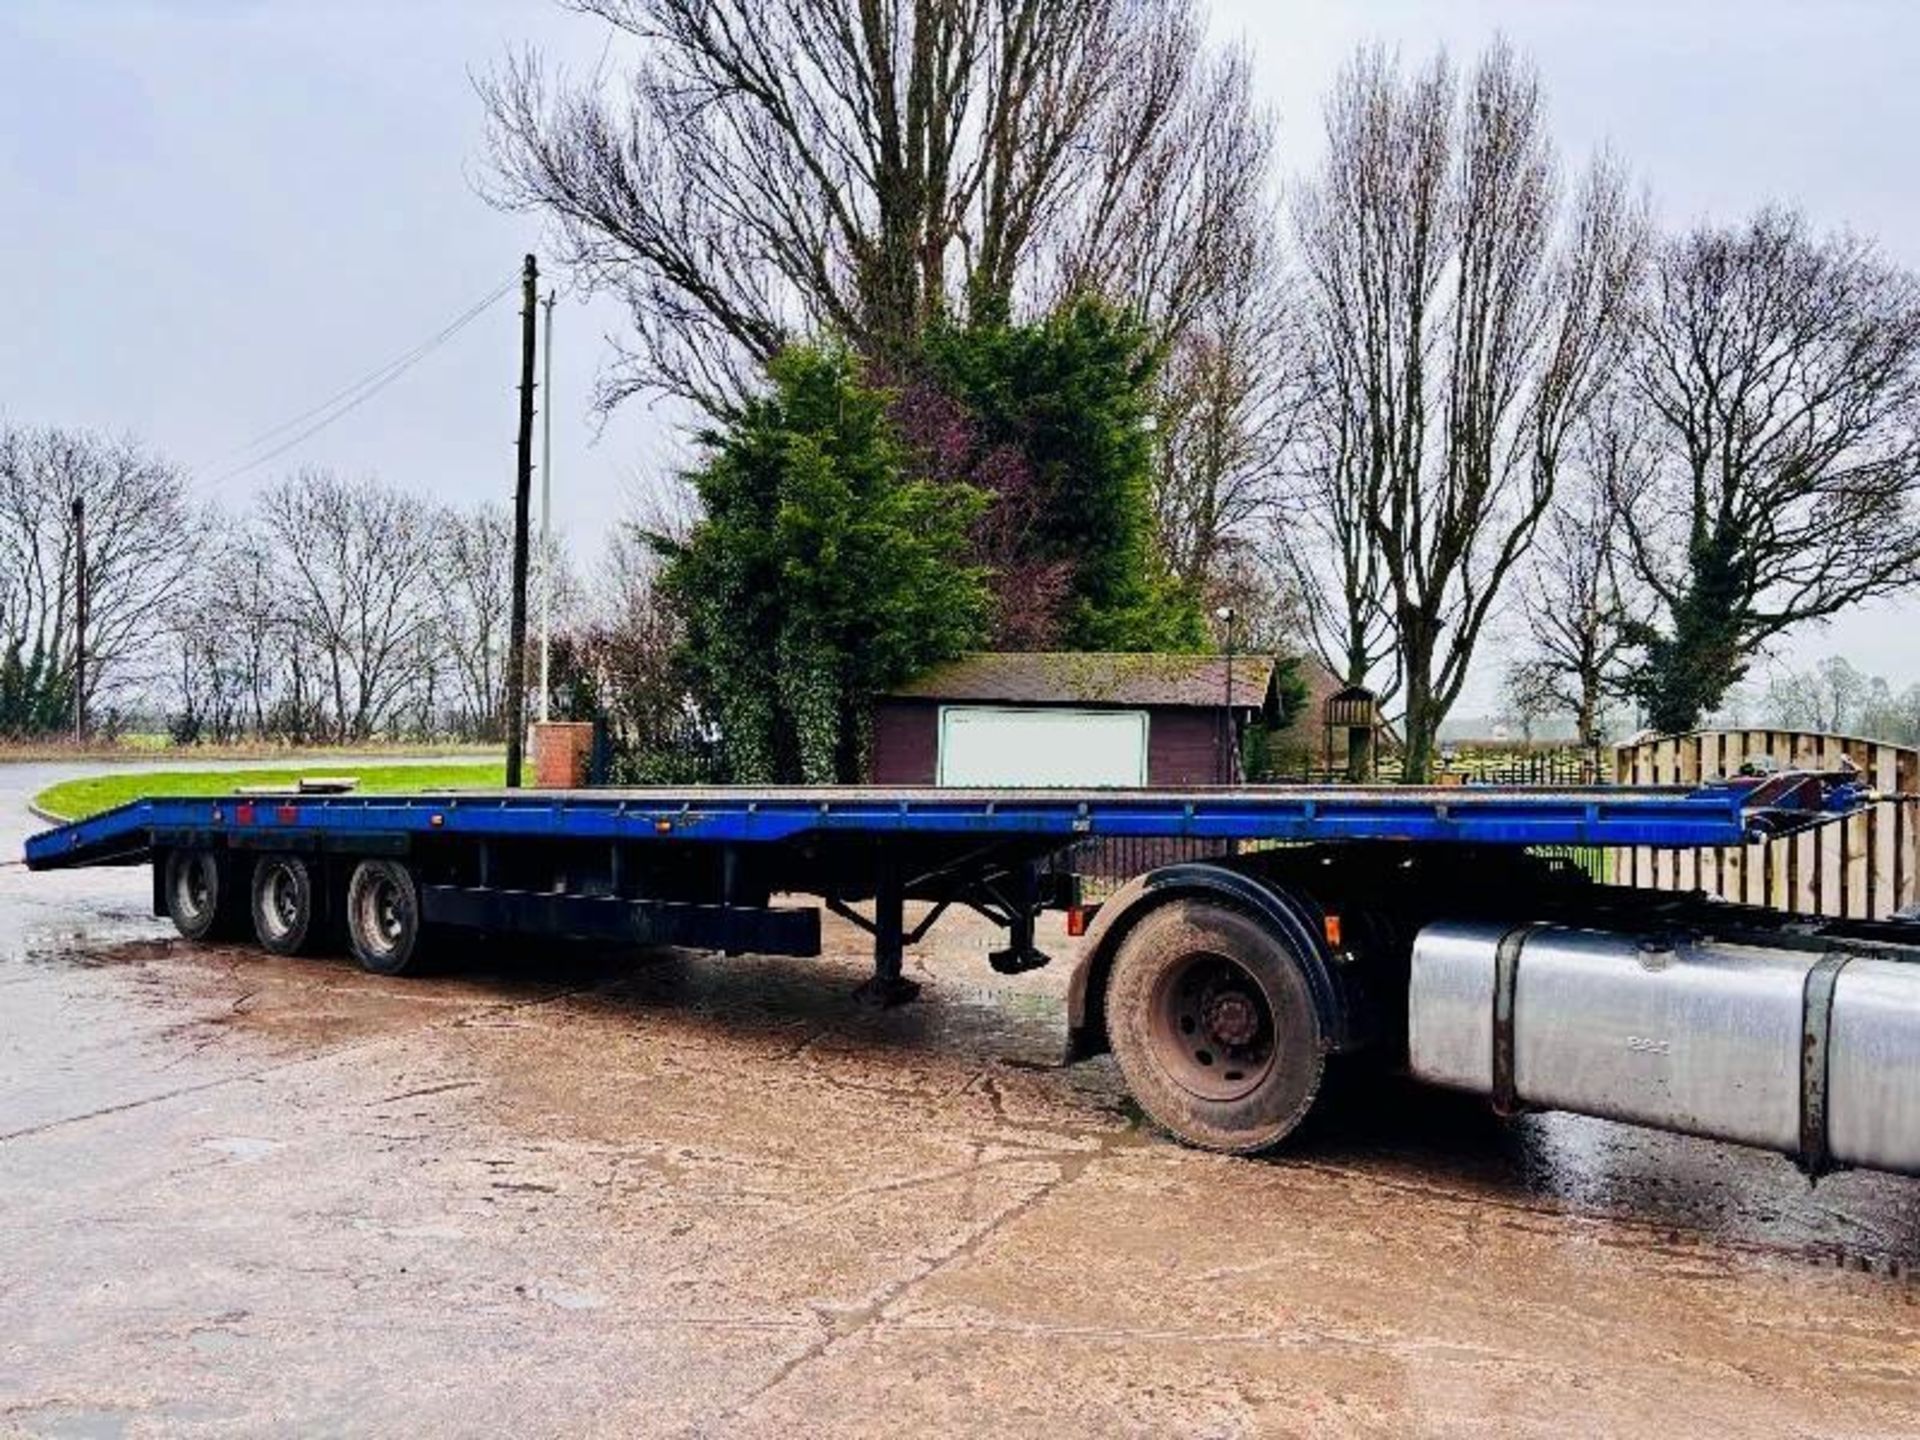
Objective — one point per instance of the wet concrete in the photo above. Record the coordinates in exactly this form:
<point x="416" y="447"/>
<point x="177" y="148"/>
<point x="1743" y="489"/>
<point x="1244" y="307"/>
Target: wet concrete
<point x="578" y="1194"/>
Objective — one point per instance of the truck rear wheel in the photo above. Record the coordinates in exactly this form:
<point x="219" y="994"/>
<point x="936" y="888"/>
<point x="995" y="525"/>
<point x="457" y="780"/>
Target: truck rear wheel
<point x="199" y="895"/>
<point x="1214" y="1027"/>
<point x="383" y="918"/>
<point x="285" y="905"/>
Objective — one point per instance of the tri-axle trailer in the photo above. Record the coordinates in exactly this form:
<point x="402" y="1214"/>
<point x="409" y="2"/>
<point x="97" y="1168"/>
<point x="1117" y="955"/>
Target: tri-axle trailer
<point x="1338" y="926"/>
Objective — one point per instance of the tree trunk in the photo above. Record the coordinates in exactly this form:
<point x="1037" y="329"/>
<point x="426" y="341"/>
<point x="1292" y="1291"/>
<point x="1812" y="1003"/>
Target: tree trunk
<point x="1418" y="637"/>
<point x="1588" y="718"/>
<point x="1359" y="756"/>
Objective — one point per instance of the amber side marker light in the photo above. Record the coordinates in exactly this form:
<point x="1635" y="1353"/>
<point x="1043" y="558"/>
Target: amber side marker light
<point x="1332" y="927"/>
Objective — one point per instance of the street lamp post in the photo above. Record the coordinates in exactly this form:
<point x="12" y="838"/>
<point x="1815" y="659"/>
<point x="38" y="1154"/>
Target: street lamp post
<point x="1229" y="751"/>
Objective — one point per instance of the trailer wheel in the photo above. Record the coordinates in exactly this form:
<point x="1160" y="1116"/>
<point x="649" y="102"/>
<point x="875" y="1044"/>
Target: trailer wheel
<point x="383" y="918"/>
<point x="199" y="895"/>
<point x="285" y="919"/>
<point x="1214" y="1027"/>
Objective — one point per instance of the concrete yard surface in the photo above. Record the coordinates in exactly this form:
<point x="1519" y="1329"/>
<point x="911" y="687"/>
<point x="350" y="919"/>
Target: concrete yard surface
<point x="559" y="1193"/>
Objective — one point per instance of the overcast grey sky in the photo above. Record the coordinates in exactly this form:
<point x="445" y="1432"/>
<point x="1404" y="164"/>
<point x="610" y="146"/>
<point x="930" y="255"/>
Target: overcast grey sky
<point x="219" y="212"/>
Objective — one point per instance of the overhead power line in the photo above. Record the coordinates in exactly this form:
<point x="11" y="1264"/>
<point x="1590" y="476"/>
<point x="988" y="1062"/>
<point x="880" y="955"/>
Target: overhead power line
<point x="312" y="421"/>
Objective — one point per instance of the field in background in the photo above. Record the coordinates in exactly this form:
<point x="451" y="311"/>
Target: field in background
<point x="76" y="799"/>
<point x="147" y="747"/>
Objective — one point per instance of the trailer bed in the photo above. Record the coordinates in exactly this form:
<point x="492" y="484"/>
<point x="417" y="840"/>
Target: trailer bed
<point x="1725" y="813"/>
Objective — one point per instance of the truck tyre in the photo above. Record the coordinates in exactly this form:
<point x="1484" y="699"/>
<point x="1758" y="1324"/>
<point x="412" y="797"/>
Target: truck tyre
<point x="200" y="897"/>
<point x="1214" y="1027"/>
<point x="383" y="918"/>
<point x="285" y="905"/>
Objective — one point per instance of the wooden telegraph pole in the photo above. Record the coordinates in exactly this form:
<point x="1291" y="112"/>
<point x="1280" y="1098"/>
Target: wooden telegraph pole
<point x="522" y="491"/>
<point x="79" y="620"/>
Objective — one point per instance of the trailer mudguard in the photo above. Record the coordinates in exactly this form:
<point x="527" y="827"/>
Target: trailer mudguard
<point x="1291" y="916"/>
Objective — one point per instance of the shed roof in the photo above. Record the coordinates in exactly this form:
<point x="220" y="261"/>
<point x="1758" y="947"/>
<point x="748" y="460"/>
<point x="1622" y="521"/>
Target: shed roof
<point x="1082" y="678"/>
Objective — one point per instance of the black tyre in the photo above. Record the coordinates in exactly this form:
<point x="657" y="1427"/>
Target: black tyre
<point x="383" y="918"/>
<point x="1214" y="1027"/>
<point x="200" y="897"/>
<point x="286" y="905"/>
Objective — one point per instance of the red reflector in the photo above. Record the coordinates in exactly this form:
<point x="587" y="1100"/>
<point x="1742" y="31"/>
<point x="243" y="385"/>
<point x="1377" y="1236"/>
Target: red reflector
<point x="242" y="815"/>
<point x="1333" y="931"/>
<point x="1076" y="920"/>
<point x="287" y="814"/>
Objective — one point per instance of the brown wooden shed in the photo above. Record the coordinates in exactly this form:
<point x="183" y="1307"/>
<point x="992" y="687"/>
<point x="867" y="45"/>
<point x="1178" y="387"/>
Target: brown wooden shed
<point x="1047" y="718"/>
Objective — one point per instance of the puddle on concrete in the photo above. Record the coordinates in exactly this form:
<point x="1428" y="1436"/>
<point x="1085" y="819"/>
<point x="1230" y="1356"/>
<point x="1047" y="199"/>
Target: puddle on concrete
<point x="243" y="1147"/>
<point x="61" y="1423"/>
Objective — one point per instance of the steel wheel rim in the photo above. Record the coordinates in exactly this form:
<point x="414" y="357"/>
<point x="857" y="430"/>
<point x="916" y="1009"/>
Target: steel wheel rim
<point x="281" y="912"/>
<point x="1211" y="1027"/>
<point x="193" y="887"/>
<point x="381" y="920"/>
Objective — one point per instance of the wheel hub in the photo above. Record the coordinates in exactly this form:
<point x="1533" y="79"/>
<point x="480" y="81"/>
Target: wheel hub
<point x="194" y="889"/>
<point x="386" y="913"/>
<point x="1231" y="1017"/>
<point x="1212" y="1027"/>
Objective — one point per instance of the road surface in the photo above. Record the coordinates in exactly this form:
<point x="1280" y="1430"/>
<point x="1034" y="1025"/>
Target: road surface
<point x="686" y="1195"/>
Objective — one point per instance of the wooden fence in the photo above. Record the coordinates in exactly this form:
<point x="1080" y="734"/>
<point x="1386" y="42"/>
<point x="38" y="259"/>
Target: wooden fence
<point x="1864" y="867"/>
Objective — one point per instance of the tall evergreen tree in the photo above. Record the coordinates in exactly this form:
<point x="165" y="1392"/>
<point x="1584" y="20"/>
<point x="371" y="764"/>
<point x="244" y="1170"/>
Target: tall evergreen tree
<point x="820" y="573"/>
<point x="1072" y="396"/>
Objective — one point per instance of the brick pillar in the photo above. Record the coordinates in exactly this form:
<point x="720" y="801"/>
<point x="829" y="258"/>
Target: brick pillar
<point x="561" y="752"/>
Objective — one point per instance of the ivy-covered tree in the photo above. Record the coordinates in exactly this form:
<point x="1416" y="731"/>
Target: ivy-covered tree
<point x="1779" y="374"/>
<point x="1071" y="397"/>
<point x="36" y="691"/>
<point x="822" y="571"/>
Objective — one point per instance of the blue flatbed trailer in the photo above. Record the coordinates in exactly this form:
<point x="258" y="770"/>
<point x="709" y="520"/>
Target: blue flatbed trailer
<point x="1723" y="814"/>
<point x="1225" y="986"/>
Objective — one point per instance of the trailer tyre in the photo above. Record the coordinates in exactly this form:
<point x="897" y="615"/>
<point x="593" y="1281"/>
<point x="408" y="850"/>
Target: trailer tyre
<point x="200" y="896"/>
<point x="1214" y="1027"/>
<point x="285" y="905"/>
<point x="383" y="918"/>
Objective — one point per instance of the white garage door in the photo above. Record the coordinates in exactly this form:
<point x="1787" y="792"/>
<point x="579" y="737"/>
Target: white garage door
<point x="985" y="745"/>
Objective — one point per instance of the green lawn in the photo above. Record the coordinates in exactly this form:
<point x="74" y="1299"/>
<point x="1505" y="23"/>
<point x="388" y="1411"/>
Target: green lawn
<point x="76" y="799"/>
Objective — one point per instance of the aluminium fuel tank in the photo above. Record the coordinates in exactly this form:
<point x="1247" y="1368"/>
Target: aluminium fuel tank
<point x="1811" y="1051"/>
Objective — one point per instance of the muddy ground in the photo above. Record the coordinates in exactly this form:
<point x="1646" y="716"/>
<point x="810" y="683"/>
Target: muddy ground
<point x="688" y="1195"/>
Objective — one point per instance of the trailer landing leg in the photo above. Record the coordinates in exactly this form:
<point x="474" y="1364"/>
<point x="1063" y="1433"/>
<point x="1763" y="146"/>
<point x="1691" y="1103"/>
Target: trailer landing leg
<point x="888" y="987"/>
<point x="1019" y="907"/>
<point x="1021" y="954"/>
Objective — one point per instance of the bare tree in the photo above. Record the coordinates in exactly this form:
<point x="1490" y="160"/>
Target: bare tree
<point x="1472" y="316"/>
<point x="1831" y="697"/>
<point x="771" y="166"/>
<point x="619" y="659"/>
<point x="473" y="554"/>
<point x="1889" y="717"/>
<point x="140" y="551"/>
<point x="227" y="631"/>
<point x="1581" y="604"/>
<point x="1324" y="532"/>
<point x="1783" y="374"/>
<point x="355" y="555"/>
<point x="1230" y="402"/>
<point x="1529" y="694"/>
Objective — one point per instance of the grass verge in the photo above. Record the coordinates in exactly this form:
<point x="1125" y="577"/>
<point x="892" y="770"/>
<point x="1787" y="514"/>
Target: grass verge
<point x="148" y="748"/>
<point x="77" y="799"/>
